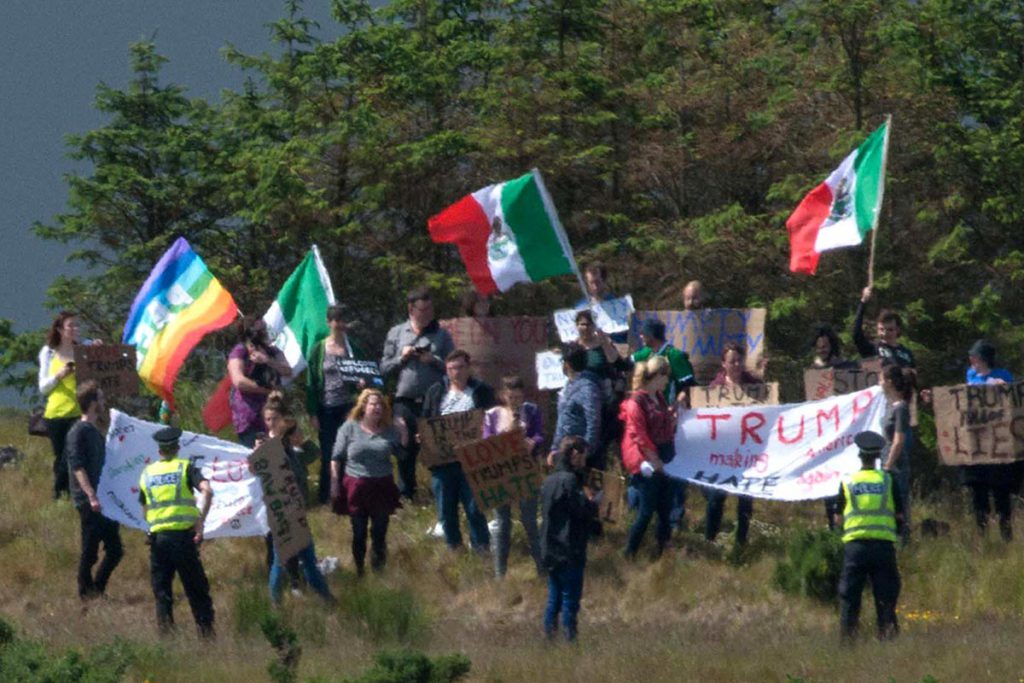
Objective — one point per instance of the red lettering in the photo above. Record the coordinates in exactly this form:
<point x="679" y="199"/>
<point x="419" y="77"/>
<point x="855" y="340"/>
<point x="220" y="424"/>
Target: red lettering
<point x="782" y="435"/>
<point x="749" y="429"/>
<point x="833" y="413"/>
<point x="714" y="422"/>
<point x="857" y="407"/>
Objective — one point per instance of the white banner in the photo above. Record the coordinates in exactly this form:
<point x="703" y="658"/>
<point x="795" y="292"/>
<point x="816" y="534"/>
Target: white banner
<point x="611" y="316"/>
<point x="237" y="508"/>
<point x="798" y="451"/>
<point x="549" y="370"/>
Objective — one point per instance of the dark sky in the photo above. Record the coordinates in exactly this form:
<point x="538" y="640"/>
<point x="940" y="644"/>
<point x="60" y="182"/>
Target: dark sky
<point x="52" y="55"/>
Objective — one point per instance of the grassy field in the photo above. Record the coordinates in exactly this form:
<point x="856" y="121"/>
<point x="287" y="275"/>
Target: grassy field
<point x="700" y="613"/>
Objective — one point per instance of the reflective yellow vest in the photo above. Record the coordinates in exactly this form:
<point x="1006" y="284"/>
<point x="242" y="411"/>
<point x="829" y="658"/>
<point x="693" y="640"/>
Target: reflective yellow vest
<point x="170" y="505"/>
<point x="870" y="511"/>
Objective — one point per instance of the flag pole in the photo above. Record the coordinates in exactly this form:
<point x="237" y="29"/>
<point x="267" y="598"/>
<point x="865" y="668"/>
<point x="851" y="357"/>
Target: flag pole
<point x="563" y="239"/>
<point x="881" y="195"/>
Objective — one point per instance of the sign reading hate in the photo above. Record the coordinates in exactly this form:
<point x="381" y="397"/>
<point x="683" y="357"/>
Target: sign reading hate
<point x="286" y="509"/>
<point x="766" y="393"/>
<point x="501" y="346"/>
<point x="703" y="334"/>
<point x="440" y="436"/>
<point x="980" y="423"/>
<point x="845" y="379"/>
<point x="111" y="366"/>
<point x="500" y="469"/>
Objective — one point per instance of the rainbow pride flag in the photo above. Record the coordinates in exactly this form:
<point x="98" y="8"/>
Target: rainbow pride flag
<point x="178" y="304"/>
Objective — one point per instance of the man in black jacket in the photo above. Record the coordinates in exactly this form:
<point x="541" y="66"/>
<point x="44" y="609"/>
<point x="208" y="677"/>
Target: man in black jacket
<point x="568" y="509"/>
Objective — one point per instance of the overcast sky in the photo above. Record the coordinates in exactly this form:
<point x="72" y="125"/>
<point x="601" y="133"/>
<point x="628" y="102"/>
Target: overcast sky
<point x="52" y="55"/>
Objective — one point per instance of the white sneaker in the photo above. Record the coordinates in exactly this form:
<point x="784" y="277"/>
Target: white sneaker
<point x="492" y="526"/>
<point x="436" y="531"/>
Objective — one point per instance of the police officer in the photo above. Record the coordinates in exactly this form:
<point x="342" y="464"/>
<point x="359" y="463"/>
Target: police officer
<point x="176" y="530"/>
<point x="872" y="514"/>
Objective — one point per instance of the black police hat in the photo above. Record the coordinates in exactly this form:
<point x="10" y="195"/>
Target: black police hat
<point x="870" y="444"/>
<point x="167" y="437"/>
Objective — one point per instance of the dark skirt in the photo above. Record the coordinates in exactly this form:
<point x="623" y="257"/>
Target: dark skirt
<point x="371" y="496"/>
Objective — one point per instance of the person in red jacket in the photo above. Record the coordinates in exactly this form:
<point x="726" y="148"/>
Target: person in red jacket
<point x="647" y="444"/>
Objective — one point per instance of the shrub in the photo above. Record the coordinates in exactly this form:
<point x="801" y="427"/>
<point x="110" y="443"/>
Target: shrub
<point x="28" y="661"/>
<point x="283" y="669"/>
<point x="406" y="666"/>
<point x="812" y="565"/>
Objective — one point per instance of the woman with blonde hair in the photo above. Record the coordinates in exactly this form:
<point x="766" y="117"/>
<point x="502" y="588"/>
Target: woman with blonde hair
<point x="362" y="485"/>
<point x="649" y="428"/>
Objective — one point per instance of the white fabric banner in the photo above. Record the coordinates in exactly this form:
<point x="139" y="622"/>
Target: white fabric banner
<point x="797" y="451"/>
<point x="237" y="508"/>
<point x="611" y="316"/>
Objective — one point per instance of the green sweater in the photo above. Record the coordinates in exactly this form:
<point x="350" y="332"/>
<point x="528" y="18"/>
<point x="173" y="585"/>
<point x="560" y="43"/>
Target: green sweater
<point x="679" y="367"/>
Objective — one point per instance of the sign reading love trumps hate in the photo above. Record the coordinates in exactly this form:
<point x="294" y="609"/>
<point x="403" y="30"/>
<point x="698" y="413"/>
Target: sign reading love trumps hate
<point x="795" y="451"/>
<point x="500" y="469"/>
<point x="703" y="334"/>
<point x="980" y="423"/>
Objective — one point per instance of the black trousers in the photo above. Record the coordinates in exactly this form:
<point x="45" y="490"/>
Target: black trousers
<point x="863" y="560"/>
<point x="1000" y="497"/>
<point x="331" y="420"/>
<point x="57" y="429"/>
<point x="410" y="410"/>
<point x="378" y="535"/>
<point x="716" y="507"/>
<point x="97" y="529"/>
<point x="175" y="552"/>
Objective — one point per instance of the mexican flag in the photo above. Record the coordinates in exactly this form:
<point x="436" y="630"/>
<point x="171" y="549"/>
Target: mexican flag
<point x="843" y="209"/>
<point x="297" y="320"/>
<point x="506" y="233"/>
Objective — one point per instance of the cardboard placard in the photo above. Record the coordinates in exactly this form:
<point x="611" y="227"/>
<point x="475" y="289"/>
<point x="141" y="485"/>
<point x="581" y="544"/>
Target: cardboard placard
<point x="614" y="488"/>
<point x="820" y="383"/>
<point x="766" y="393"/>
<point x="500" y="469"/>
<point x="354" y="370"/>
<point x="703" y="334"/>
<point x="111" y="366"/>
<point x="501" y="346"/>
<point x="610" y="316"/>
<point x="440" y="436"/>
<point x="549" y="371"/>
<point x="286" y="509"/>
<point x="980" y="423"/>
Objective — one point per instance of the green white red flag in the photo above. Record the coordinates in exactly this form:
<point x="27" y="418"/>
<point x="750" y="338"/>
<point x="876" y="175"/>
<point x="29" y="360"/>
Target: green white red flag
<point x="841" y="211"/>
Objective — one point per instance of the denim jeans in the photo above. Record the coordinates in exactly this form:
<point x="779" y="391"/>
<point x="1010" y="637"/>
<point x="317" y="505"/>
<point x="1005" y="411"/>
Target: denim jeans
<point x="656" y="496"/>
<point x="565" y="589"/>
<point x="451" y="488"/>
<point x="315" y="580"/>
<point x="503" y="536"/>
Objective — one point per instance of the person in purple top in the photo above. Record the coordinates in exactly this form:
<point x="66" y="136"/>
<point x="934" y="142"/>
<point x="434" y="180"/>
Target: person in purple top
<point x="514" y="411"/>
<point x="999" y="480"/>
<point x="256" y="368"/>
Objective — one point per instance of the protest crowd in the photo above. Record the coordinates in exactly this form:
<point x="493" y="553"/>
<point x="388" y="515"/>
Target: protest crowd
<point x="619" y="421"/>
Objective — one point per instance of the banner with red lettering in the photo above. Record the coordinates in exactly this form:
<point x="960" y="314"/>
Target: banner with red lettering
<point x="237" y="508"/>
<point x="797" y="451"/>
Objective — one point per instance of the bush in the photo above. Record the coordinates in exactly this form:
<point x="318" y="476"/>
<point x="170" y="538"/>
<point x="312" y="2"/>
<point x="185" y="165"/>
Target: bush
<point x="812" y="565"/>
<point x="406" y="666"/>
<point x="28" y="661"/>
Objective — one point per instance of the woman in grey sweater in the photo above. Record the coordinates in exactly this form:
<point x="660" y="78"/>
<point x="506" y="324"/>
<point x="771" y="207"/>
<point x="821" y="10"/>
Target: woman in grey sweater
<point x="362" y="485"/>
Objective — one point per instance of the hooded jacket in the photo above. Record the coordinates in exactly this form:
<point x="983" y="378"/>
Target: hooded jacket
<point x="566" y="518"/>
<point x="579" y="411"/>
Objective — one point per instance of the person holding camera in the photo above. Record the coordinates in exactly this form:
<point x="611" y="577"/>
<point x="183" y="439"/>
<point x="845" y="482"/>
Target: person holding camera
<point x="256" y="368"/>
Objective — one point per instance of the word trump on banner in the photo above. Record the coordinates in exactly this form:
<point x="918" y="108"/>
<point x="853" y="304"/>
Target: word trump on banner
<point x="501" y="346"/>
<point x="980" y="423"/>
<point x="822" y="382"/>
<point x="787" y="452"/>
<point x="610" y="316"/>
<point x="111" y="366"/>
<point x="286" y="508"/>
<point x="703" y="334"/>
<point x="500" y="469"/>
<point x="440" y="436"/>
<point x="766" y="393"/>
<point x="237" y="507"/>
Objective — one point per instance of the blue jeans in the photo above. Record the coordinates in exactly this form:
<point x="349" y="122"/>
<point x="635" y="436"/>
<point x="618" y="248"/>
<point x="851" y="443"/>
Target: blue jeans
<point x="315" y="580"/>
<point x="656" y="496"/>
<point x="451" y="488"/>
<point x="503" y="537"/>
<point x="565" y="589"/>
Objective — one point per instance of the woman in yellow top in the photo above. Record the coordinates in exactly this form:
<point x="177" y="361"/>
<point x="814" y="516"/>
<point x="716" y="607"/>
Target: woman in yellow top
<point x="57" y="383"/>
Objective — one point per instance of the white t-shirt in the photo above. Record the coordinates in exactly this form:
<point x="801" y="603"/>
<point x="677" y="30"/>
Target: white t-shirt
<point x="455" y="401"/>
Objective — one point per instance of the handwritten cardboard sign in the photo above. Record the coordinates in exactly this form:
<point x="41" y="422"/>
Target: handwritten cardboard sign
<point x="501" y="346"/>
<point x="980" y="423"/>
<point x="730" y="395"/>
<point x="610" y="316"/>
<point x="440" y="436"/>
<point x="353" y="370"/>
<point x="500" y="469"/>
<point x="549" y="370"/>
<point x="703" y="334"/>
<point x="614" y="488"/>
<point x="111" y="366"/>
<point x="823" y="382"/>
<point x="286" y="509"/>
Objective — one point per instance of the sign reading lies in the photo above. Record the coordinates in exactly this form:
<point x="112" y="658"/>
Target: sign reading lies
<point x="286" y="508"/>
<point x="703" y="334"/>
<point x="111" y="366"/>
<point x="440" y="436"/>
<point x="845" y="379"/>
<point x="980" y="423"/>
<point x="500" y="469"/>
<point x="766" y="393"/>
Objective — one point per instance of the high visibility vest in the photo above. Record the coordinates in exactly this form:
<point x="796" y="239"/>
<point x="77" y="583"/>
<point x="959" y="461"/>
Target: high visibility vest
<point x="870" y="510"/>
<point x="170" y="505"/>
